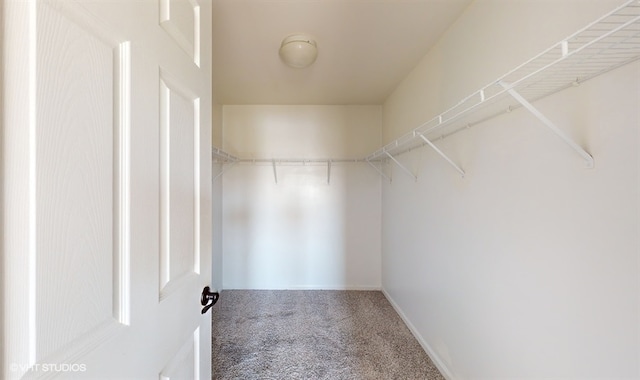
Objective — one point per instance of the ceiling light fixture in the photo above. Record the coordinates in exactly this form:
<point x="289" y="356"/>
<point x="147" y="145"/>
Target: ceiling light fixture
<point x="298" y="51"/>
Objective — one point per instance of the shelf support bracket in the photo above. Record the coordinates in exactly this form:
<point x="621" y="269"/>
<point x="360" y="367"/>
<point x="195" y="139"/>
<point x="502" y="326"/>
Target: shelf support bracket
<point x="442" y="155"/>
<point x="379" y="171"/>
<point x="329" y="172"/>
<point x="401" y="166"/>
<point x="549" y="124"/>
<point x="275" y="172"/>
<point x="223" y="171"/>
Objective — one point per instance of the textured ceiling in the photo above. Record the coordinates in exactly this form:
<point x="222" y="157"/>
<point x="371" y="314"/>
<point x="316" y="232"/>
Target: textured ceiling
<point x="365" y="48"/>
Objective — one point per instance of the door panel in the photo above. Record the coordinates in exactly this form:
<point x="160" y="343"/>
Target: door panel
<point x="76" y="202"/>
<point x="179" y="210"/>
<point x="181" y="20"/>
<point x="107" y="189"/>
<point x="185" y="363"/>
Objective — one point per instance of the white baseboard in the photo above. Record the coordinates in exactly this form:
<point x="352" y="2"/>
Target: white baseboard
<point x="427" y="348"/>
<point x="348" y="287"/>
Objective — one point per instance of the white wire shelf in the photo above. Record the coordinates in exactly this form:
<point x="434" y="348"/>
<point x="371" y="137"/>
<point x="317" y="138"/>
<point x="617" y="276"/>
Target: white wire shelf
<point x="220" y="156"/>
<point x="608" y="43"/>
<point x="274" y="163"/>
<point x="299" y="161"/>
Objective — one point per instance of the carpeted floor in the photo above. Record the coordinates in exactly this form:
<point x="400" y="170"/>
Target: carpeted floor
<point x="313" y="334"/>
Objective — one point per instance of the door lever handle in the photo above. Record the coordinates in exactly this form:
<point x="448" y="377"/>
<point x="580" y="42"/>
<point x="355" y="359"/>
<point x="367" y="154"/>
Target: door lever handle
<point x="207" y="296"/>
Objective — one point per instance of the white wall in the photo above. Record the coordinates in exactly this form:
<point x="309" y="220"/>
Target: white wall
<point x="301" y="232"/>
<point x="528" y="267"/>
<point x="216" y="260"/>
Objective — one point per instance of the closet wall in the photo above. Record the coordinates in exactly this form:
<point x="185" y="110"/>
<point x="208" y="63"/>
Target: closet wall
<point x="315" y="228"/>
<point x="528" y="266"/>
<point x="216" y="259"/>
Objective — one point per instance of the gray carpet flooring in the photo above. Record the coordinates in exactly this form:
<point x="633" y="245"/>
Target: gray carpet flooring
<point x="313" y="334"/>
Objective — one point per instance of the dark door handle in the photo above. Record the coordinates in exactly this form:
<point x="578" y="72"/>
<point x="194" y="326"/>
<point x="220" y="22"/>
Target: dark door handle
<point x="208" y="296"/>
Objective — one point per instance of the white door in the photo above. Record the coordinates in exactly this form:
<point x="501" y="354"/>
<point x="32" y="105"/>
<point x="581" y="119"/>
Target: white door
<point x="106" y="192"/>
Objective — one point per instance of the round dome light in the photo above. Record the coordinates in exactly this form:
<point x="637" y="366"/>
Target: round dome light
<point x="298" y="51"/>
